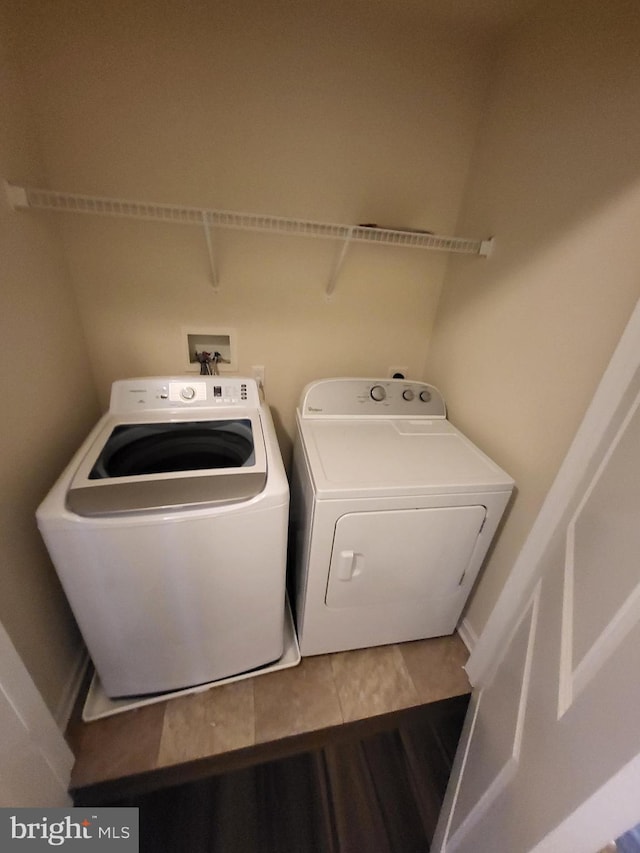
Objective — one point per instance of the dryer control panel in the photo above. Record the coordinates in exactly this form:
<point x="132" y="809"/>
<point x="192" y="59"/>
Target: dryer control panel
<point x="388" y="398"/>
<point x="158" y="393"/>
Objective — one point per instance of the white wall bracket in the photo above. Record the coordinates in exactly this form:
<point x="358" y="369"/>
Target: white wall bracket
<point x="335" y="272"/>
<point x="38" y="199"/>
<point x="212" y="260"/>
<point x="486" y="247"/>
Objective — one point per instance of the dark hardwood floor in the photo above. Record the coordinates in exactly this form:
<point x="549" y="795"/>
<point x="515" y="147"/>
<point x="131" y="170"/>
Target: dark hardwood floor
<point x="374" y="793"/>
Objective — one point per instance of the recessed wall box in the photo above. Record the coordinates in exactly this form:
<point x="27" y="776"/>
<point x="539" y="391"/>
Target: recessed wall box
<point x="211" y="340"/>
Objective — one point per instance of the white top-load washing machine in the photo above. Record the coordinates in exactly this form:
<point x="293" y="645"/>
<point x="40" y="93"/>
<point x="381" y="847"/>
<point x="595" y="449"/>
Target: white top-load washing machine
<point x="393" y="510"/>
<point x="168" y="531"/>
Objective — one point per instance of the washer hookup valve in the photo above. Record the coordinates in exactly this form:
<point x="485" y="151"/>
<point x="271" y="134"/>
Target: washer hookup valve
<point x="207" y="359"/>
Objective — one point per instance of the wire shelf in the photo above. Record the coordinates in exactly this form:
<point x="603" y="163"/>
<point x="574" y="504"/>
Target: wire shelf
<point x="41" y="199"/>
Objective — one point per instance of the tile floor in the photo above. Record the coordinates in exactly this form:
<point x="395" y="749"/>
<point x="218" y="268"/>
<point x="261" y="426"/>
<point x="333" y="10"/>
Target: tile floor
<point x="322" y="692"/>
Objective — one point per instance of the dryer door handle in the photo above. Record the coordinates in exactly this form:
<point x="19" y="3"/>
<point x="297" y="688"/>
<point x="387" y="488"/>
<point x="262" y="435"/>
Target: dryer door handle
<point x="349" y="565"/>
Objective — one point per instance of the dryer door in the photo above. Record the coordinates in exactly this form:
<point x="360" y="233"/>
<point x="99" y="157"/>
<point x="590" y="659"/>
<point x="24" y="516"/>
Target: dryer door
<point x="397" y="555"/>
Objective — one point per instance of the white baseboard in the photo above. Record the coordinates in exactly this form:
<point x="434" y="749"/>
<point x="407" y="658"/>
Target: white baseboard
<point x="467" y="634"/>
<point x="70" y="692"/>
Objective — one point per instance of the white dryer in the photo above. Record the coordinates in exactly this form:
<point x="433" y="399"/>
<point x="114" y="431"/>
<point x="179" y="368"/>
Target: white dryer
<point x="393" y="510"/>
<point x="168" y="531"/>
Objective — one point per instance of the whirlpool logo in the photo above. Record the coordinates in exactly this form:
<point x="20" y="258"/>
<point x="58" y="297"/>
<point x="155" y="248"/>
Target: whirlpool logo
<point x="114" y="829"/>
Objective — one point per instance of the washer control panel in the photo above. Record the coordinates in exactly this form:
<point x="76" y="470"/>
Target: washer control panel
<point x="183" y="392"/>
<point x="389" y="398"/>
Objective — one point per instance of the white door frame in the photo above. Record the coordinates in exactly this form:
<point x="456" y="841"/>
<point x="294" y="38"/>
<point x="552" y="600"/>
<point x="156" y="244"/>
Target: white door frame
<point x="612" y="808"/>
<point x="36" y="762"/>
<point x="519" y="585"/>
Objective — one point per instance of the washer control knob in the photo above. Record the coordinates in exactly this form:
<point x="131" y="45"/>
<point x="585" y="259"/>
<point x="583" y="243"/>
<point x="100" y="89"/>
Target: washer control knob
<point x="188" y="392"/>
<point x="425" y="396"/>
<point x="378" y="393"/>
<point x="408" y="394"/>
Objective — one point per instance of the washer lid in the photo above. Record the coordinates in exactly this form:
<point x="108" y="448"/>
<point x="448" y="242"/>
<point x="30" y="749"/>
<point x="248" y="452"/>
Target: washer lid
<point x="370" y="458"/>
<point x="159" y="463"/>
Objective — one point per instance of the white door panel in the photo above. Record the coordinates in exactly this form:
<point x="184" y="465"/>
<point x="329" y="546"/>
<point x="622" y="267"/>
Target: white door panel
<point x="35" y="761"/>
<point x="550" y="759"/>
<point x="26" y="779"/>
<point x="494" y="750"/>
<point x="602" y="577"/>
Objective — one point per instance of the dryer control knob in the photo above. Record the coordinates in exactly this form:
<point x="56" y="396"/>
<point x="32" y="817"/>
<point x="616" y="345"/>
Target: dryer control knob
<point x="188" y="392"/>
<point x="408" y="394"/>
<point x="378" y="393"/>
<point x="425" y="396"/>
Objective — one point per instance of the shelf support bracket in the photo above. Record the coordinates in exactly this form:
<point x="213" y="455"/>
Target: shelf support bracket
<point x="335" y="272"/>
<point x="16" y="196"/>
<point x="212" y="260"/>
<point x="486" y="247"/>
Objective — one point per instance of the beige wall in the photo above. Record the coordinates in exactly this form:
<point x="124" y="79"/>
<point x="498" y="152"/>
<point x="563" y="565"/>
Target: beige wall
<point x="48" y="398"/>
<point x="521" y="340"/>
<point x="338" y="112"/>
